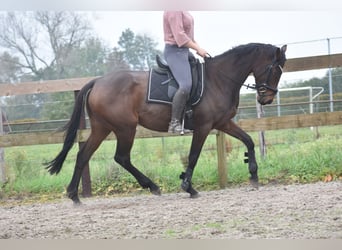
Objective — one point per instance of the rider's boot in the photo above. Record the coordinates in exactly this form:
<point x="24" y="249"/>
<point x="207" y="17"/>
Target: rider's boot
<point x="178" y="106"/>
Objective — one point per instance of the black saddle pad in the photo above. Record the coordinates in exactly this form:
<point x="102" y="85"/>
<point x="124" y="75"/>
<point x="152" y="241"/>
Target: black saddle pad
<point x="162" y="86"/>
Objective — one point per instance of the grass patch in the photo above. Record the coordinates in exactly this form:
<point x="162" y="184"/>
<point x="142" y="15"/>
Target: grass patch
<point x="293" y="156"/>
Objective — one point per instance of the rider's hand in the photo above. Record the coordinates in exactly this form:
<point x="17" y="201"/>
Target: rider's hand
<point x="202" y="52"/>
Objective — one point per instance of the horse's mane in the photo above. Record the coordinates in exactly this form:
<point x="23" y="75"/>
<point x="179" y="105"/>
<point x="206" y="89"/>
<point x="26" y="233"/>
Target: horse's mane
<point x="246" y="49"/>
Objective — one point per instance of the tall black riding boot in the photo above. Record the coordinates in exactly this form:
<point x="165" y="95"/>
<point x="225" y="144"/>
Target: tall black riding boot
<point x="178" y="106"/>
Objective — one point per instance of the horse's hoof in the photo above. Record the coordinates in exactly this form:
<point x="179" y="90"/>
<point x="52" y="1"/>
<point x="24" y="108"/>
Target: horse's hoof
<point x="155" y="191"/>
<point x="74" y="197"/>
<point x="78" y="204"/>
<point x="194" y="195"/>
<point x="254" y="183"/>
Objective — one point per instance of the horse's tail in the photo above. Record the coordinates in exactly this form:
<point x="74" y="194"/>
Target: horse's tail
<point x="55" y="166"/>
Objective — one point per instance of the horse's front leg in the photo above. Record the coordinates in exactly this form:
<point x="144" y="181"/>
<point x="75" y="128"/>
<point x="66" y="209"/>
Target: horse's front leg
<point x="198" y="140"/>
<point x="187" y="184"/>
<point x="232" y="129"/>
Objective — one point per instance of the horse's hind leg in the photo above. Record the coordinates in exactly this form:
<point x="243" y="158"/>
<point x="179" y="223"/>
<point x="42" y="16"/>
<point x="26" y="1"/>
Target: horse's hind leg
<point x="98" y="134"/>
<point x="122" y="156"/>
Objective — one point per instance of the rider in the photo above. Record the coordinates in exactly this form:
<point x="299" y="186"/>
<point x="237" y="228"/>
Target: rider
<point x="179" y="38"/>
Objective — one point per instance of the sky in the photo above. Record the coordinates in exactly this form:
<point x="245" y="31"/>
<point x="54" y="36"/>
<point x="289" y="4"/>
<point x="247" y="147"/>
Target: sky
<point x="306" y="33"/>
<point x="218" y="31"/>
<point x="304" y="25"/>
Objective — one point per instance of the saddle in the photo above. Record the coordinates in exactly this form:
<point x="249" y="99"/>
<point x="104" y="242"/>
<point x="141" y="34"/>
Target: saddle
<point x="162" y="85"/>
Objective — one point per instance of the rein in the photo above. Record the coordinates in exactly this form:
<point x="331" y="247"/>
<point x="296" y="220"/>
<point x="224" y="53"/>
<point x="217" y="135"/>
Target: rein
<point x="261" y="88"/>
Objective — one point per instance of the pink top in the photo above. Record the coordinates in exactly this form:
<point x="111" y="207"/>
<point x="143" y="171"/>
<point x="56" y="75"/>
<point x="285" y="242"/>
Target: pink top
<point x="178" y="27"/>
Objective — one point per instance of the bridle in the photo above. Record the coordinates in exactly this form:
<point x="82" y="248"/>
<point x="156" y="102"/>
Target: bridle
<point x="263" y="87"/>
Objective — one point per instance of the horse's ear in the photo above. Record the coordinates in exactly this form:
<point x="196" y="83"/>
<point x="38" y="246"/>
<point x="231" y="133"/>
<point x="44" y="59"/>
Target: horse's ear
<point x="283" y="48"/>
<point x="281" y="51"/>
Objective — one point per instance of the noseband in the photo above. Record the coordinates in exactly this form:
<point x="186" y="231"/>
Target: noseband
<point x="262" y="88"/>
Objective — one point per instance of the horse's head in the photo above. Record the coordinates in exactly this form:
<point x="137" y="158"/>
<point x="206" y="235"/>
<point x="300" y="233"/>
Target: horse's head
<point x="267" y="76"/>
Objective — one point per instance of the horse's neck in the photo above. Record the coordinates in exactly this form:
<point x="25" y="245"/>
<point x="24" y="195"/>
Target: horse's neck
<point x="235" y="69"/>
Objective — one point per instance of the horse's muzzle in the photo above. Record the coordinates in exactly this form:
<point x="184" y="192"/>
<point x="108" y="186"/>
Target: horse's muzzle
<point x="265" y="100"/>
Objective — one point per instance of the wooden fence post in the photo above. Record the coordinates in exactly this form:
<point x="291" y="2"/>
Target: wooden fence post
<point x="221" y="159"/>
<point x="86" y="181"/>
<point x="2" y="153"/>
<point x="262" y="142"/>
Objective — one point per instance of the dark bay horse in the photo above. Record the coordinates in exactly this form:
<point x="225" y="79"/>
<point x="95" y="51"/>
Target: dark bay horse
<point x="117" y="103"/>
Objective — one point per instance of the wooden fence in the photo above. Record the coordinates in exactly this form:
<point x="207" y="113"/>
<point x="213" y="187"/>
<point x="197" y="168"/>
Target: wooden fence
<point x="261" y="124"/>
<point x="291" y="65"/>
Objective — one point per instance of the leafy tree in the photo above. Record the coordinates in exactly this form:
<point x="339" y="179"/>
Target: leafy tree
<point x="42" y="40"/>
<point x="87" y="60"/>
<point x="47" y="45"/>
<point x="139" y="51"/>
<point x="146" y="49"/>
<point x="9" y="69"/>
<point x="336" y="74"/>
<point x="336" y="79"/>
<point x="57" y="106"/>
<point x="127" y="46"/>
<point x="23" y="107"/>
<point x="115" y="60"/>
<point x="42" y="45"/>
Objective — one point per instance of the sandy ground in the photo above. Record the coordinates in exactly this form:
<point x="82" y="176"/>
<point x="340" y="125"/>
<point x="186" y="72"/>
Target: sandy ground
<point x="311" y="211"/>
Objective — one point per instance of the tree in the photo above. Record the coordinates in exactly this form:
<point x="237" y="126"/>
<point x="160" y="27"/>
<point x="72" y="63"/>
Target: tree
<point x="139" y="51"/>
<point x="24" y="107"/>
<point x="42" y="40"/>
<point x="115" y="60"/>
<point x="127" y="46"/>
<point x="87" y="60"/>
<point x="46" y="46"/>
<point x="336" y="79"/>
<point x="146" y="51"/>
<point x="9" y="69"/>
<point x="322" y="82"/>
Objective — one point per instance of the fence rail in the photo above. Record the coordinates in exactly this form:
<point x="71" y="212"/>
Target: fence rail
<point x="249" y="125"/>
<point x="293" y="104"/>
<point x="74" y="84"/>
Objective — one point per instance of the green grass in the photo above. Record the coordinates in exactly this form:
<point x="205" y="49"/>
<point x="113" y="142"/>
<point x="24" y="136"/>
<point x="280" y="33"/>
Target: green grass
<point x="293" y="156"/>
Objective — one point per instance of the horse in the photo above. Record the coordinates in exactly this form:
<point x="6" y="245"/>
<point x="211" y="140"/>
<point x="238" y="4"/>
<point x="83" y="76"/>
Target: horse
<point x="116" y="102"/>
